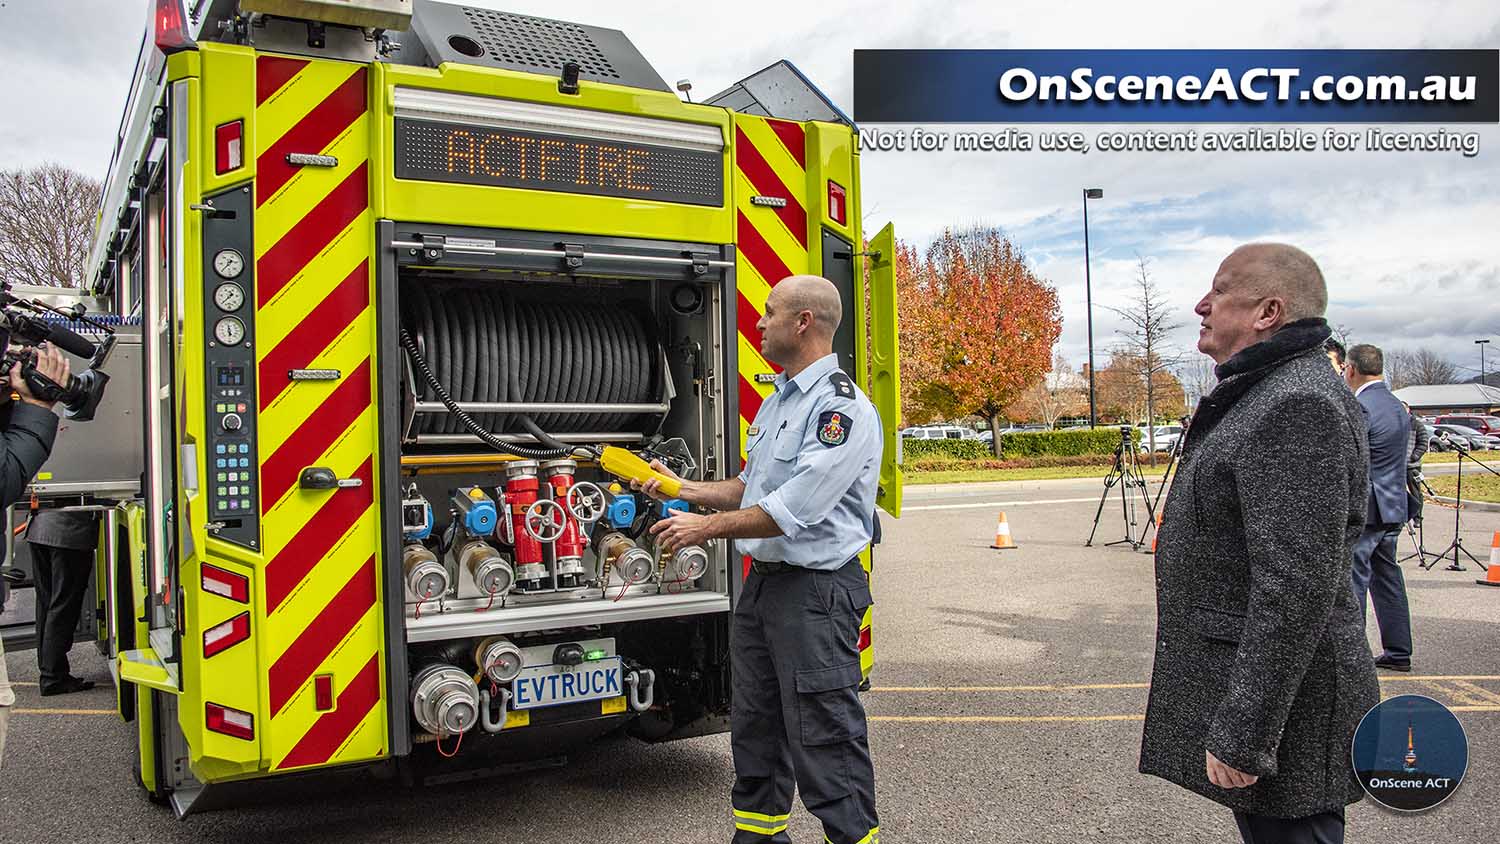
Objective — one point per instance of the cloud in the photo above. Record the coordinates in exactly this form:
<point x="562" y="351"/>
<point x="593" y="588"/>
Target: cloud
<point x="1405" y="239"/>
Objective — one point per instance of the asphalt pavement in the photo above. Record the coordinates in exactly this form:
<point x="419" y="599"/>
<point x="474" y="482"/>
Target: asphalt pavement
<point x="1008" y="694"/>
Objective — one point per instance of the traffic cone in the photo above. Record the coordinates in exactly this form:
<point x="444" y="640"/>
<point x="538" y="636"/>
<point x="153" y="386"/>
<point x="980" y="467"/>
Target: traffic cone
<point x="1002" y="534"/>
<point x="1492" y="574"/>
<point x="1156" y="533"/>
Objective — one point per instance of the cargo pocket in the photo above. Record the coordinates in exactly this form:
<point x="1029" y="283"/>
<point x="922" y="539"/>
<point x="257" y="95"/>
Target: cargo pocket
<point x="827" y="705"/>
<point x="860" y="599"/>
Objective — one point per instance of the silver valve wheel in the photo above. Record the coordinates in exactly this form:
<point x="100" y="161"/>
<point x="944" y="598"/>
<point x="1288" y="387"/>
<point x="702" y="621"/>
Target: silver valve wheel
<point x="545" y="520"/>
<point x="586" y="502"/>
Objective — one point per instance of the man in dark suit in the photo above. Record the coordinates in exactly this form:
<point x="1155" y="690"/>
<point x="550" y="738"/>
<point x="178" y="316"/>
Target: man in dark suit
<point x="1262" y="671"/>
<point x="1375" y="570"/>
<point x="62" y="560"/>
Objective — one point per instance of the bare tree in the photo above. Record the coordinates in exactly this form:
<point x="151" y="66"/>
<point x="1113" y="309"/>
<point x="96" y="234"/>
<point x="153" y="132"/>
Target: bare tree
<point x="47" y="218"/>
<point x="1341" y="333"/>
<point x="1197" y="377"/>
<point x="1147" y="344"/>
<point x="1061" y="392"/>
<point x="1429" y="367"/>
<point x="1406" y="368"/>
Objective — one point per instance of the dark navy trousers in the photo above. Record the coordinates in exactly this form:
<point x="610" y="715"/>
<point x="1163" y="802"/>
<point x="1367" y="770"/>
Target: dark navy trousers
<point x="796" y="719"/>
<point x="1377" y="574"/>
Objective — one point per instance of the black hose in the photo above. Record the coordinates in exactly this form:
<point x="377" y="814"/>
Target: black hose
<point x="467" y="421"/>
<point x="492" y="345"/>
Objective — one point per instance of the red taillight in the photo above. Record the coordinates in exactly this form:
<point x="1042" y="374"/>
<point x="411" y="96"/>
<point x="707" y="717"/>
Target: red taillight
<point x="323" y="692"/>
<point x="229" y="146"/>
<point x="221" y="637"/>
<point x="838" y="208"/>
<point x="226" y="584"/>
<point x="864" y="638"/>
<point x="171" y="27"/>
<point x="229" y="722"/>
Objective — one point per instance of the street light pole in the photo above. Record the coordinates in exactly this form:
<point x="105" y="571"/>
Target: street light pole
<point x="1088" y="292"/>
<point x="1481" y="344"/>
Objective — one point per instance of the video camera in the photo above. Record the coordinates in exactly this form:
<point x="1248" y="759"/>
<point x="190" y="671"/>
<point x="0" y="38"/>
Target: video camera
<point x="23" y="326"/>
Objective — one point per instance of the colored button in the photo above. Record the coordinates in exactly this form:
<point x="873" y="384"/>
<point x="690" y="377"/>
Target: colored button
<point x="244" y="448"/>
<point x="220" y="490"/>
<point x="240" y="407"/>
<point x="245" y="503"/>
<point x="219" y="408"/>
<point x="234" y="490"/>
<point x="221" y="477"/>
<point x="244" y="462"/>
<point x="219" y="449"/>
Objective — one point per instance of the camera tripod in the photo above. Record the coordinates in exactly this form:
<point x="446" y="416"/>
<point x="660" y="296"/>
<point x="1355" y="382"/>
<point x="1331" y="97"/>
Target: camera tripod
<point x="1126" y="474"/>
<point x="1457" y="545"/>
<point x="1418" y="534"/>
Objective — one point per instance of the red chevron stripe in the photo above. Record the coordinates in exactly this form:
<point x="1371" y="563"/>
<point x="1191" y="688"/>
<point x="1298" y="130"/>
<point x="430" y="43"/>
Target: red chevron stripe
<point x="272" y="72"/>
<point x="331" y="730"/>
<point x="307" y="238"/>
<point x="313" y="334"/>
<point x="793" y="138"/>
<point x="746" y="317"/>
<point x="765" y="181"/>
<point x="342" y="509"/>
<point x="312" y="134"/>
<point x="316" y="433"/>
<point x="759" y="253"/>
<point x="319" y="639"/>
<point x="750" y="400"/>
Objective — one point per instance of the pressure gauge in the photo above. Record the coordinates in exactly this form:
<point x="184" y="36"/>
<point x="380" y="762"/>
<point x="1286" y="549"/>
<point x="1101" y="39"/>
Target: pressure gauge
<point x="229" y="296"/>
<point x="229" y="331"/>
<point x="229" y="263"/>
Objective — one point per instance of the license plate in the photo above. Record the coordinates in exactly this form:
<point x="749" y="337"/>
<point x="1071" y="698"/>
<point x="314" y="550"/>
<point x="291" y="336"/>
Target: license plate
<point x="553" y="685"/>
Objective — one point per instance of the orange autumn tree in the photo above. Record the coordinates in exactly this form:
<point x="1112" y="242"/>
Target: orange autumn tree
<point x="977" y="326"/>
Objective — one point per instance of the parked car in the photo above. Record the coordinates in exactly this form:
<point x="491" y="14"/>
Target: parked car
<point x="1468" y="436"/>
<point x="1487" y="425"/>
<point x="939" y="432"/>
<point x="1166" y="437"/>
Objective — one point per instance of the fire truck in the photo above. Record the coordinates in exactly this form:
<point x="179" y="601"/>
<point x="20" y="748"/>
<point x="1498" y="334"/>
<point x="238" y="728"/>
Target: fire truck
<point x="420" y="284"/>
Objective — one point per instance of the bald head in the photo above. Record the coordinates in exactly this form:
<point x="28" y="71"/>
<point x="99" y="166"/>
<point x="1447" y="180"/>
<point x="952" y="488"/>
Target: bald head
<point x="1282" y="271"/>
<point x="816" y="294"/>
<point x="1258" y="289"/>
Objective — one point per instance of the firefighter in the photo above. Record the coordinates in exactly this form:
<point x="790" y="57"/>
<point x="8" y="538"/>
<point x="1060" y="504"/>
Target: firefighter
<point x="803" y="509"/>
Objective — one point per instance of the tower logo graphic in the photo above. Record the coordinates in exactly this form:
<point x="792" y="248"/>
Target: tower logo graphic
<point x="1410" y="753"/>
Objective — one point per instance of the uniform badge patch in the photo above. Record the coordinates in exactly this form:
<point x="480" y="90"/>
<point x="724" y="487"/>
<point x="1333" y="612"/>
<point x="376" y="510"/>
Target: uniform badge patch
<point x="833" y="428"/>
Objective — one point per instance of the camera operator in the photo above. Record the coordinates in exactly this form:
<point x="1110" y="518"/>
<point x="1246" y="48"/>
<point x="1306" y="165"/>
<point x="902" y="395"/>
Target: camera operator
<point x="27" y="429"/>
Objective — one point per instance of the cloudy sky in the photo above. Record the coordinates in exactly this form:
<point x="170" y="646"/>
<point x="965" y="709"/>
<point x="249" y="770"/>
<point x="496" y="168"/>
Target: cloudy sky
<point x="1408" y="241"/>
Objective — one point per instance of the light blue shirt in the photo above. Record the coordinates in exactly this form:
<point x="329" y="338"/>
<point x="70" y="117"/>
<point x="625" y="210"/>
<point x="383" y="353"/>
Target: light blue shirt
<point x="813" y="464"/>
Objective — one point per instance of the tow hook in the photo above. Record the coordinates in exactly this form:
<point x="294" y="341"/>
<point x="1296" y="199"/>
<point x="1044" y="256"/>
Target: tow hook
<point x="640" y="685"/>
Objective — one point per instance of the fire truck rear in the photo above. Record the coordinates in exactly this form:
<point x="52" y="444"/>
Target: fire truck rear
<point x="419" y="283"/>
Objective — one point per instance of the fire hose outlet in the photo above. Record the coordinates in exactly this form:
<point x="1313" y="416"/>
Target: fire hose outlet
<point x="444" y="700"/>
<point x="425" y="577"/>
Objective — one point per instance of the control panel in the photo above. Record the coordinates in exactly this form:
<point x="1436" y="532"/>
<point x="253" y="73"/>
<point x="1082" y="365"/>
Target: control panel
<point x="229" y="325"/>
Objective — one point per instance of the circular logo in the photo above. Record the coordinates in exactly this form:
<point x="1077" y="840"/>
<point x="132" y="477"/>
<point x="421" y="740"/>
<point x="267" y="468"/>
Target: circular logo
<point x="1410" y="753"/>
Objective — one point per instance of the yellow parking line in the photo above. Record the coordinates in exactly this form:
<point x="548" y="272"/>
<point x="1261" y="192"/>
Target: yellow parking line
<point x="1009" y="688"/>
<point x="25" y="711"/>
<point x="1422" y="678"/>
<point x="998" y="719"/>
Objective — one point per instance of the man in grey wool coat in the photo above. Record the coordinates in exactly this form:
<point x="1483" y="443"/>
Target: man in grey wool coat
<point x="1262" y="670"/>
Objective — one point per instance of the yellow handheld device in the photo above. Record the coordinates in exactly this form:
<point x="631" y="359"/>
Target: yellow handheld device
<point x="617" y="461"/>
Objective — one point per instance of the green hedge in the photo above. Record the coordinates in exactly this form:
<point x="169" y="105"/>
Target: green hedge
<point x="1021" y="444"/>
<point x="1070" y="442"/>
<point x="953" y="449"/>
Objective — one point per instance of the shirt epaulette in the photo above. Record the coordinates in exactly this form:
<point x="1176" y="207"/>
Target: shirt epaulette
<point x="841" y="384"/>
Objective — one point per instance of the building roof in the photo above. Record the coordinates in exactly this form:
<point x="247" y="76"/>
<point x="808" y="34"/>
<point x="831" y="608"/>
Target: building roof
<point x="1450" y="395"/>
